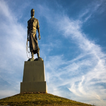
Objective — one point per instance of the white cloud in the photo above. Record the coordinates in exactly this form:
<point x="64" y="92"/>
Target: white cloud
<point x="12" y="38"/>
<point x="97" y="59"/>
<point x="83" y="75"/>
<point x="5" y="93"/>
<point x="91" y="9"/>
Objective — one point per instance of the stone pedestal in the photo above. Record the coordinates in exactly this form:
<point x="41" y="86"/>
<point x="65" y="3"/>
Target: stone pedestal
<point x="33" y="77"/>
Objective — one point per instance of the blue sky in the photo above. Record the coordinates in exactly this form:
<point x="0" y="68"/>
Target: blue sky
<point x="72" y="45"/>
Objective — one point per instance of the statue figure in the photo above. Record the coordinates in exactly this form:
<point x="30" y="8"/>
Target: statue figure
<point x="33" y="25"/>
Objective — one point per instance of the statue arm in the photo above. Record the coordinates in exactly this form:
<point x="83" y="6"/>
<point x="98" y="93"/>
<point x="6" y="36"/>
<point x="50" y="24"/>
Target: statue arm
<point x="39" y="31"/>
<point x="27" y="33"/>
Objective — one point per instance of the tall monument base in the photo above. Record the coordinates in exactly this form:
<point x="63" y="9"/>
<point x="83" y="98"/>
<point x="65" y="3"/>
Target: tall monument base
<point x="33" y="77"/>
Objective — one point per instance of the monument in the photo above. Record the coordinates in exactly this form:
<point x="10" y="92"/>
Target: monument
<point x="34" y="74"/>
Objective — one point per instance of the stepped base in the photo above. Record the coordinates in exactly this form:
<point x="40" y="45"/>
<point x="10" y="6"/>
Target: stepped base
<point x="33" y="87"/>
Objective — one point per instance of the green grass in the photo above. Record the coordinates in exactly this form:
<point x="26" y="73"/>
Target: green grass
<point x="39" y="99"/>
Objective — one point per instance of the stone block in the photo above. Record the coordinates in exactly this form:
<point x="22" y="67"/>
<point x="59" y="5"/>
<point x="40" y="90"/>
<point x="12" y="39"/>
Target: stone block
<point x="33" y="77"/>
<point x="33" y="87"/>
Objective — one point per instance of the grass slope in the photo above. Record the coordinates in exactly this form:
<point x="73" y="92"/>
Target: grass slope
<point x="40" y="99"/>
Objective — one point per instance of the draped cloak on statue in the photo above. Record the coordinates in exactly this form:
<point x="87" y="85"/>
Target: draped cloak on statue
<point x="33" y="25"/>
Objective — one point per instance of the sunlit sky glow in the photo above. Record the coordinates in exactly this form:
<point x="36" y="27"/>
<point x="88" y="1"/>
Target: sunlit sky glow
<point x="72" y="45"/>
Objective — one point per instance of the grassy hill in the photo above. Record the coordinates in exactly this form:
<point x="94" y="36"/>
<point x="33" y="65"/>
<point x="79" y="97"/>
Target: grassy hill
<point x="39" y="99"/>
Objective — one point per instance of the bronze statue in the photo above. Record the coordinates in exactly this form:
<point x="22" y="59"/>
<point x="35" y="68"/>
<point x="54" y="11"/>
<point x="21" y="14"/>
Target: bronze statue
<point x="33" y="25"/>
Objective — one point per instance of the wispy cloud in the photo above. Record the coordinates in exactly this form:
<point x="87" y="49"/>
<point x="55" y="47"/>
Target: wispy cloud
<point x="12" y="38"/>
<point x="95" y="7"/>
<point x="84" y="76"/>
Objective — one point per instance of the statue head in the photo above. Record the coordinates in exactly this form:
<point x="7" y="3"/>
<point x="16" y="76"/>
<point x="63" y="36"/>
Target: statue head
<point x="32" y="12"/>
